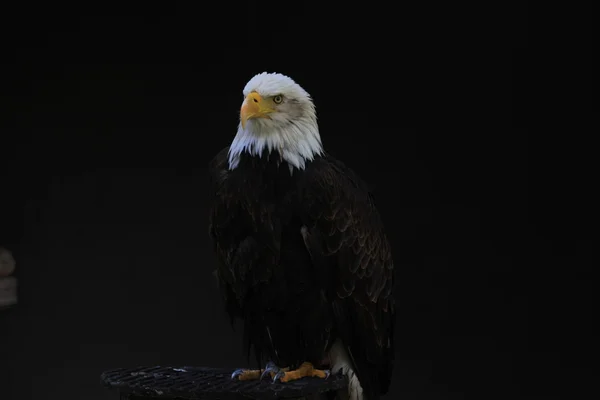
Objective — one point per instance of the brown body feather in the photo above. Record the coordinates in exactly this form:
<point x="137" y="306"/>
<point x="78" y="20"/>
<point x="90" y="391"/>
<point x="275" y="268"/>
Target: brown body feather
<point x="303" y="260"/>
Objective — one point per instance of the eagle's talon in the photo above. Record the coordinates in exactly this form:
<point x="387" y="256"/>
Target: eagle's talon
<point x="237" y="373"/>
<point x="270" y="368"/>
<point x="278" y="376"/>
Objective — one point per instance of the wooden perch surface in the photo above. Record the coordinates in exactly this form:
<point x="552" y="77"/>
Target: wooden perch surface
<point x="212" y="383"/>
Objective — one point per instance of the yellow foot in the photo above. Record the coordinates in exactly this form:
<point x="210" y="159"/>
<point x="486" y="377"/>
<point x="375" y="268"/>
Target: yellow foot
<point x="305" y="370"/>
<point x="246" y="374"/>
<point x="255" y="374"/>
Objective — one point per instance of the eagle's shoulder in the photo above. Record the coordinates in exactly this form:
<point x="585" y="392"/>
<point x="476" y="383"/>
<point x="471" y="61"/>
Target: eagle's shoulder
<point x="332" y="181"/>
<point x="220" y="160"/>
<point x="218" y="167"/>
<point x="338" y="203"/>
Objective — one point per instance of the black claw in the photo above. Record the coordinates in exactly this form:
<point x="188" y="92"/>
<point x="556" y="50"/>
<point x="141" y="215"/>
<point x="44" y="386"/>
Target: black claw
<point x="265" y="372"/>
<point x="270" y="367"/>
<point x="237" y="373"/>
<point x="278" y="376"/>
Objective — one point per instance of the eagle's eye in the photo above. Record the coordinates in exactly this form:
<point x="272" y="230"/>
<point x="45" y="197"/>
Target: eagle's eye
<point x="278" y="99"/>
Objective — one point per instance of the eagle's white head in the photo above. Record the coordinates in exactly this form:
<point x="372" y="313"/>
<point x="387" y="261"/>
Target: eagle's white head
<point x="277" y="115"/>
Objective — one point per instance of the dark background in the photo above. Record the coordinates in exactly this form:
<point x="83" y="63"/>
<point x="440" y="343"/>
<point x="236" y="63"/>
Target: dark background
<point x="109" y="123"/>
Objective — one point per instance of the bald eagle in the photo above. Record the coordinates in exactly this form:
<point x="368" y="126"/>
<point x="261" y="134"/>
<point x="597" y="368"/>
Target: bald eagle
<point x="302" y="256"/>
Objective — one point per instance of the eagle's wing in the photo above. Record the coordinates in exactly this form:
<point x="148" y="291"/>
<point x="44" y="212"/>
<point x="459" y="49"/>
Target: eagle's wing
<point x="346" y="239"/>
<point x="220" y="219"/>
<point x="243" y="255"/>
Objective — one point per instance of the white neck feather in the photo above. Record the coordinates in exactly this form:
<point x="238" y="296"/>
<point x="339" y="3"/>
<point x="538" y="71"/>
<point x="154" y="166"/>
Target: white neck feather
<point x="297" y="141"/>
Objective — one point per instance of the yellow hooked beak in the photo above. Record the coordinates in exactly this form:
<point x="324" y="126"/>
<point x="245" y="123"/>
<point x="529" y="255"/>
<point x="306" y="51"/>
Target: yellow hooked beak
<point x="255" y="107"/>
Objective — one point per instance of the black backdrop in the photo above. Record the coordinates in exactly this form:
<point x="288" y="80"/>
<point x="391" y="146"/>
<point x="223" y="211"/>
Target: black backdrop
<point x="110" y="123"/>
